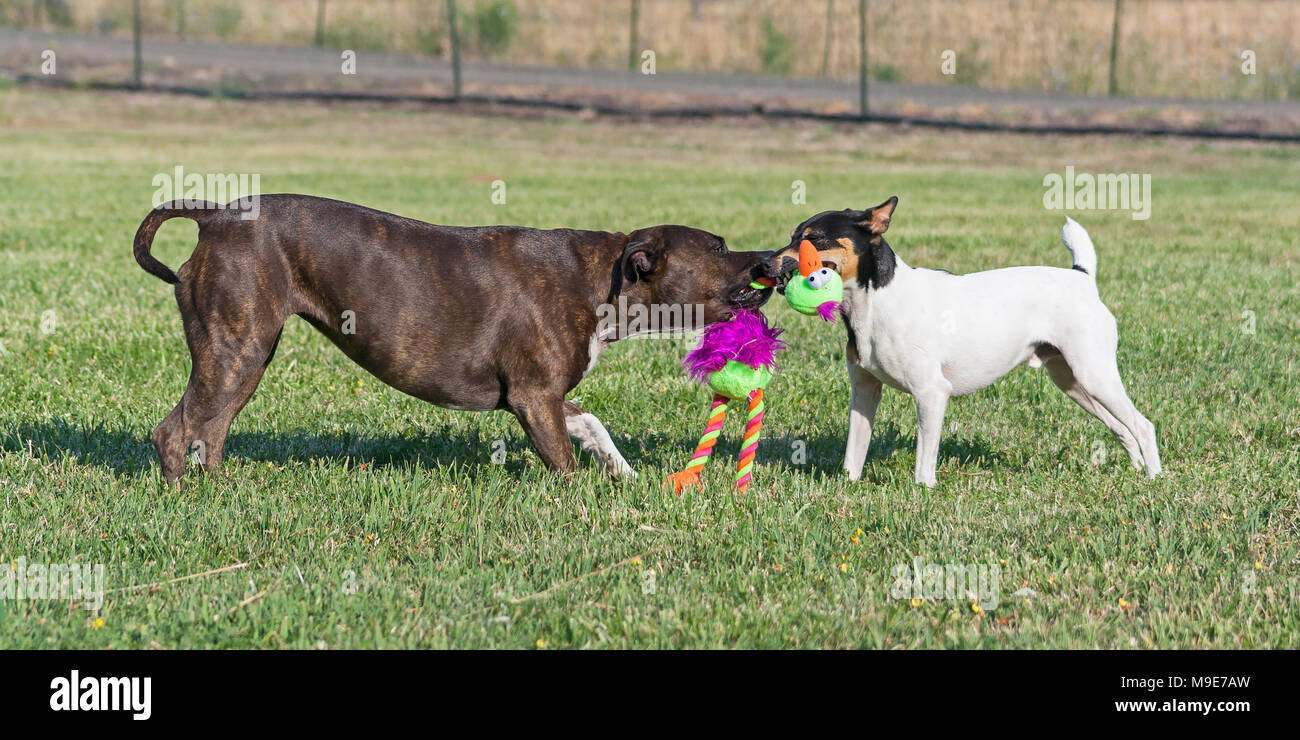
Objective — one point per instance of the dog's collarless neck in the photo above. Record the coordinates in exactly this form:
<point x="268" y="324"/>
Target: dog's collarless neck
<point x="876" y="265"/>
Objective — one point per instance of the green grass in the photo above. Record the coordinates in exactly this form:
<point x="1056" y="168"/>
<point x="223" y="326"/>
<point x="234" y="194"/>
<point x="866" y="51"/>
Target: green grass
<point x="370" y="519"/>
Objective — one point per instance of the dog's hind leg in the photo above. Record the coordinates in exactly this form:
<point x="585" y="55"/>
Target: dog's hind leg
<point x="1108" y="390"/>
<point x="862" y="414"/>
<point x="169" y="441"/>
<point x="1063" y="377"/>
<point x="594" y="438"/>
<point x="1100" y="379"/>
<point x="200" y="422"/>
<point x="221" y="384"/>
<point x="232" y="333"/>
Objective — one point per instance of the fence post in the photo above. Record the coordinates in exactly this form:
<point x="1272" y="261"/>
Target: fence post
<point x="180" y="18"/>
<point x="826" y="48"/>
<point x="632" y="54"/>
<point x="455" y="49"/>
<point x="135" y="33"/>
<point x="862" y="58"/>
<point x="1114" y="49"/>
<point x="320" y="22"/>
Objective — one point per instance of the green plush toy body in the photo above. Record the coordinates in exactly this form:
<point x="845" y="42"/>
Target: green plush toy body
<point x="818" y="290"/>
<point x="737" y="380"/>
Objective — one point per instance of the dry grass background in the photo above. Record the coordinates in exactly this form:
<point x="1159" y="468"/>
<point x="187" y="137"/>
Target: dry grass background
<point x="1178" y="48"/>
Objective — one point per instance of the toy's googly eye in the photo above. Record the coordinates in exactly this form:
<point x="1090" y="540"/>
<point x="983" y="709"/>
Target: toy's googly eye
<point x="819" y="279"/>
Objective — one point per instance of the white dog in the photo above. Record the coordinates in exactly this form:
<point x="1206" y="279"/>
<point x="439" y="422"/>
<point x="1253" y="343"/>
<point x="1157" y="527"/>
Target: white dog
<point x="936" y="335"/>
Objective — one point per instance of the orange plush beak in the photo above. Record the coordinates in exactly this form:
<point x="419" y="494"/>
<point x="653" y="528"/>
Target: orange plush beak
<point x="809" y="260"/>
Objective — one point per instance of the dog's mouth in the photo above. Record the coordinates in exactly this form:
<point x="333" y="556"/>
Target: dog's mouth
<point x="753" y="295"/>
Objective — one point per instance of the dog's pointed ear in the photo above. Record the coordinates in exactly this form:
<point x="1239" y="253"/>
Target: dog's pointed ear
<point x="876" y="220"/>
<point x="640" y="258"/>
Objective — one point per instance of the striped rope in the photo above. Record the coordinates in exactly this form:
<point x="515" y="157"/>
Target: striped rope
<point x="749" y="445"/>
<point x="687" y="477"/>
<point x="712" y="431"/>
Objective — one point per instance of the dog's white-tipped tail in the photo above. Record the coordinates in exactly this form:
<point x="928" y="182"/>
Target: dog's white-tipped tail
<point x="1076" y="239"/>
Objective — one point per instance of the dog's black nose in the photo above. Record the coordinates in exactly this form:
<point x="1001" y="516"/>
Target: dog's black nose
<point x="769" y="264"/>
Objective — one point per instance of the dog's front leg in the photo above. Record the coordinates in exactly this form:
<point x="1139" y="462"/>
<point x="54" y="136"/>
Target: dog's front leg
<point x="542" y="418"/>
<point x="862" y="414"/>
<point x="591" y="434"/>
<point x="931" y="405"/>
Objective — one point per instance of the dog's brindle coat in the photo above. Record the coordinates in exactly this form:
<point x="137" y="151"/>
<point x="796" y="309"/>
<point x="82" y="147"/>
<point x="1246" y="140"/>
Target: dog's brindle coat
<point x="482" y="318"/>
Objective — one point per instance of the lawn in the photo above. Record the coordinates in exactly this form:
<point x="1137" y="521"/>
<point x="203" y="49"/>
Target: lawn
<point x="348" y="515"/>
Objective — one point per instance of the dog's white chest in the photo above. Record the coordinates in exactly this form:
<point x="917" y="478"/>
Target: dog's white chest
<point x="594" y="346"/>
<point x="875" y="352"/>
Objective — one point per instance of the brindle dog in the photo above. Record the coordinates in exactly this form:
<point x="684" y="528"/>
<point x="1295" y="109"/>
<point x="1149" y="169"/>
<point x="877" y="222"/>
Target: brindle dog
<point x="470" y="318"/>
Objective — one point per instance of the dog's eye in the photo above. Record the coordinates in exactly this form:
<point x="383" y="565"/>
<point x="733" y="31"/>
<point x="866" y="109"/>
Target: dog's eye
<point x="720" y="248"/>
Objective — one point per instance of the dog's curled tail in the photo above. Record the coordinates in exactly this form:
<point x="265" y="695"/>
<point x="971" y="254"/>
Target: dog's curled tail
<point x="1076" y="239"/>
<point x="200" y="211"/>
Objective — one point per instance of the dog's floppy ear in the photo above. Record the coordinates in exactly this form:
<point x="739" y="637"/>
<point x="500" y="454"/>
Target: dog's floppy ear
<point x="640" y="258"/>
<point x="876" y="220"/>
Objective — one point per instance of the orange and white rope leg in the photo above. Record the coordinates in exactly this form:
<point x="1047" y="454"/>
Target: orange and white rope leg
<point x="749" y="445"/>
<point x="691" y="475"/>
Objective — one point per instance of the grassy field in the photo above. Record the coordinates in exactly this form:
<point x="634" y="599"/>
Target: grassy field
<point x="369" y="519"/>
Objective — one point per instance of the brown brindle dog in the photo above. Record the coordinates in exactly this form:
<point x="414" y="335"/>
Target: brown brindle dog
<point x="494" y="317"/>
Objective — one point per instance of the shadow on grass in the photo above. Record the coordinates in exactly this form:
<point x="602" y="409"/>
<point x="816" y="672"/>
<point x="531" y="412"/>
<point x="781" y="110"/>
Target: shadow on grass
<point x="130" y="453"/>
<point x="822" y="456"/>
